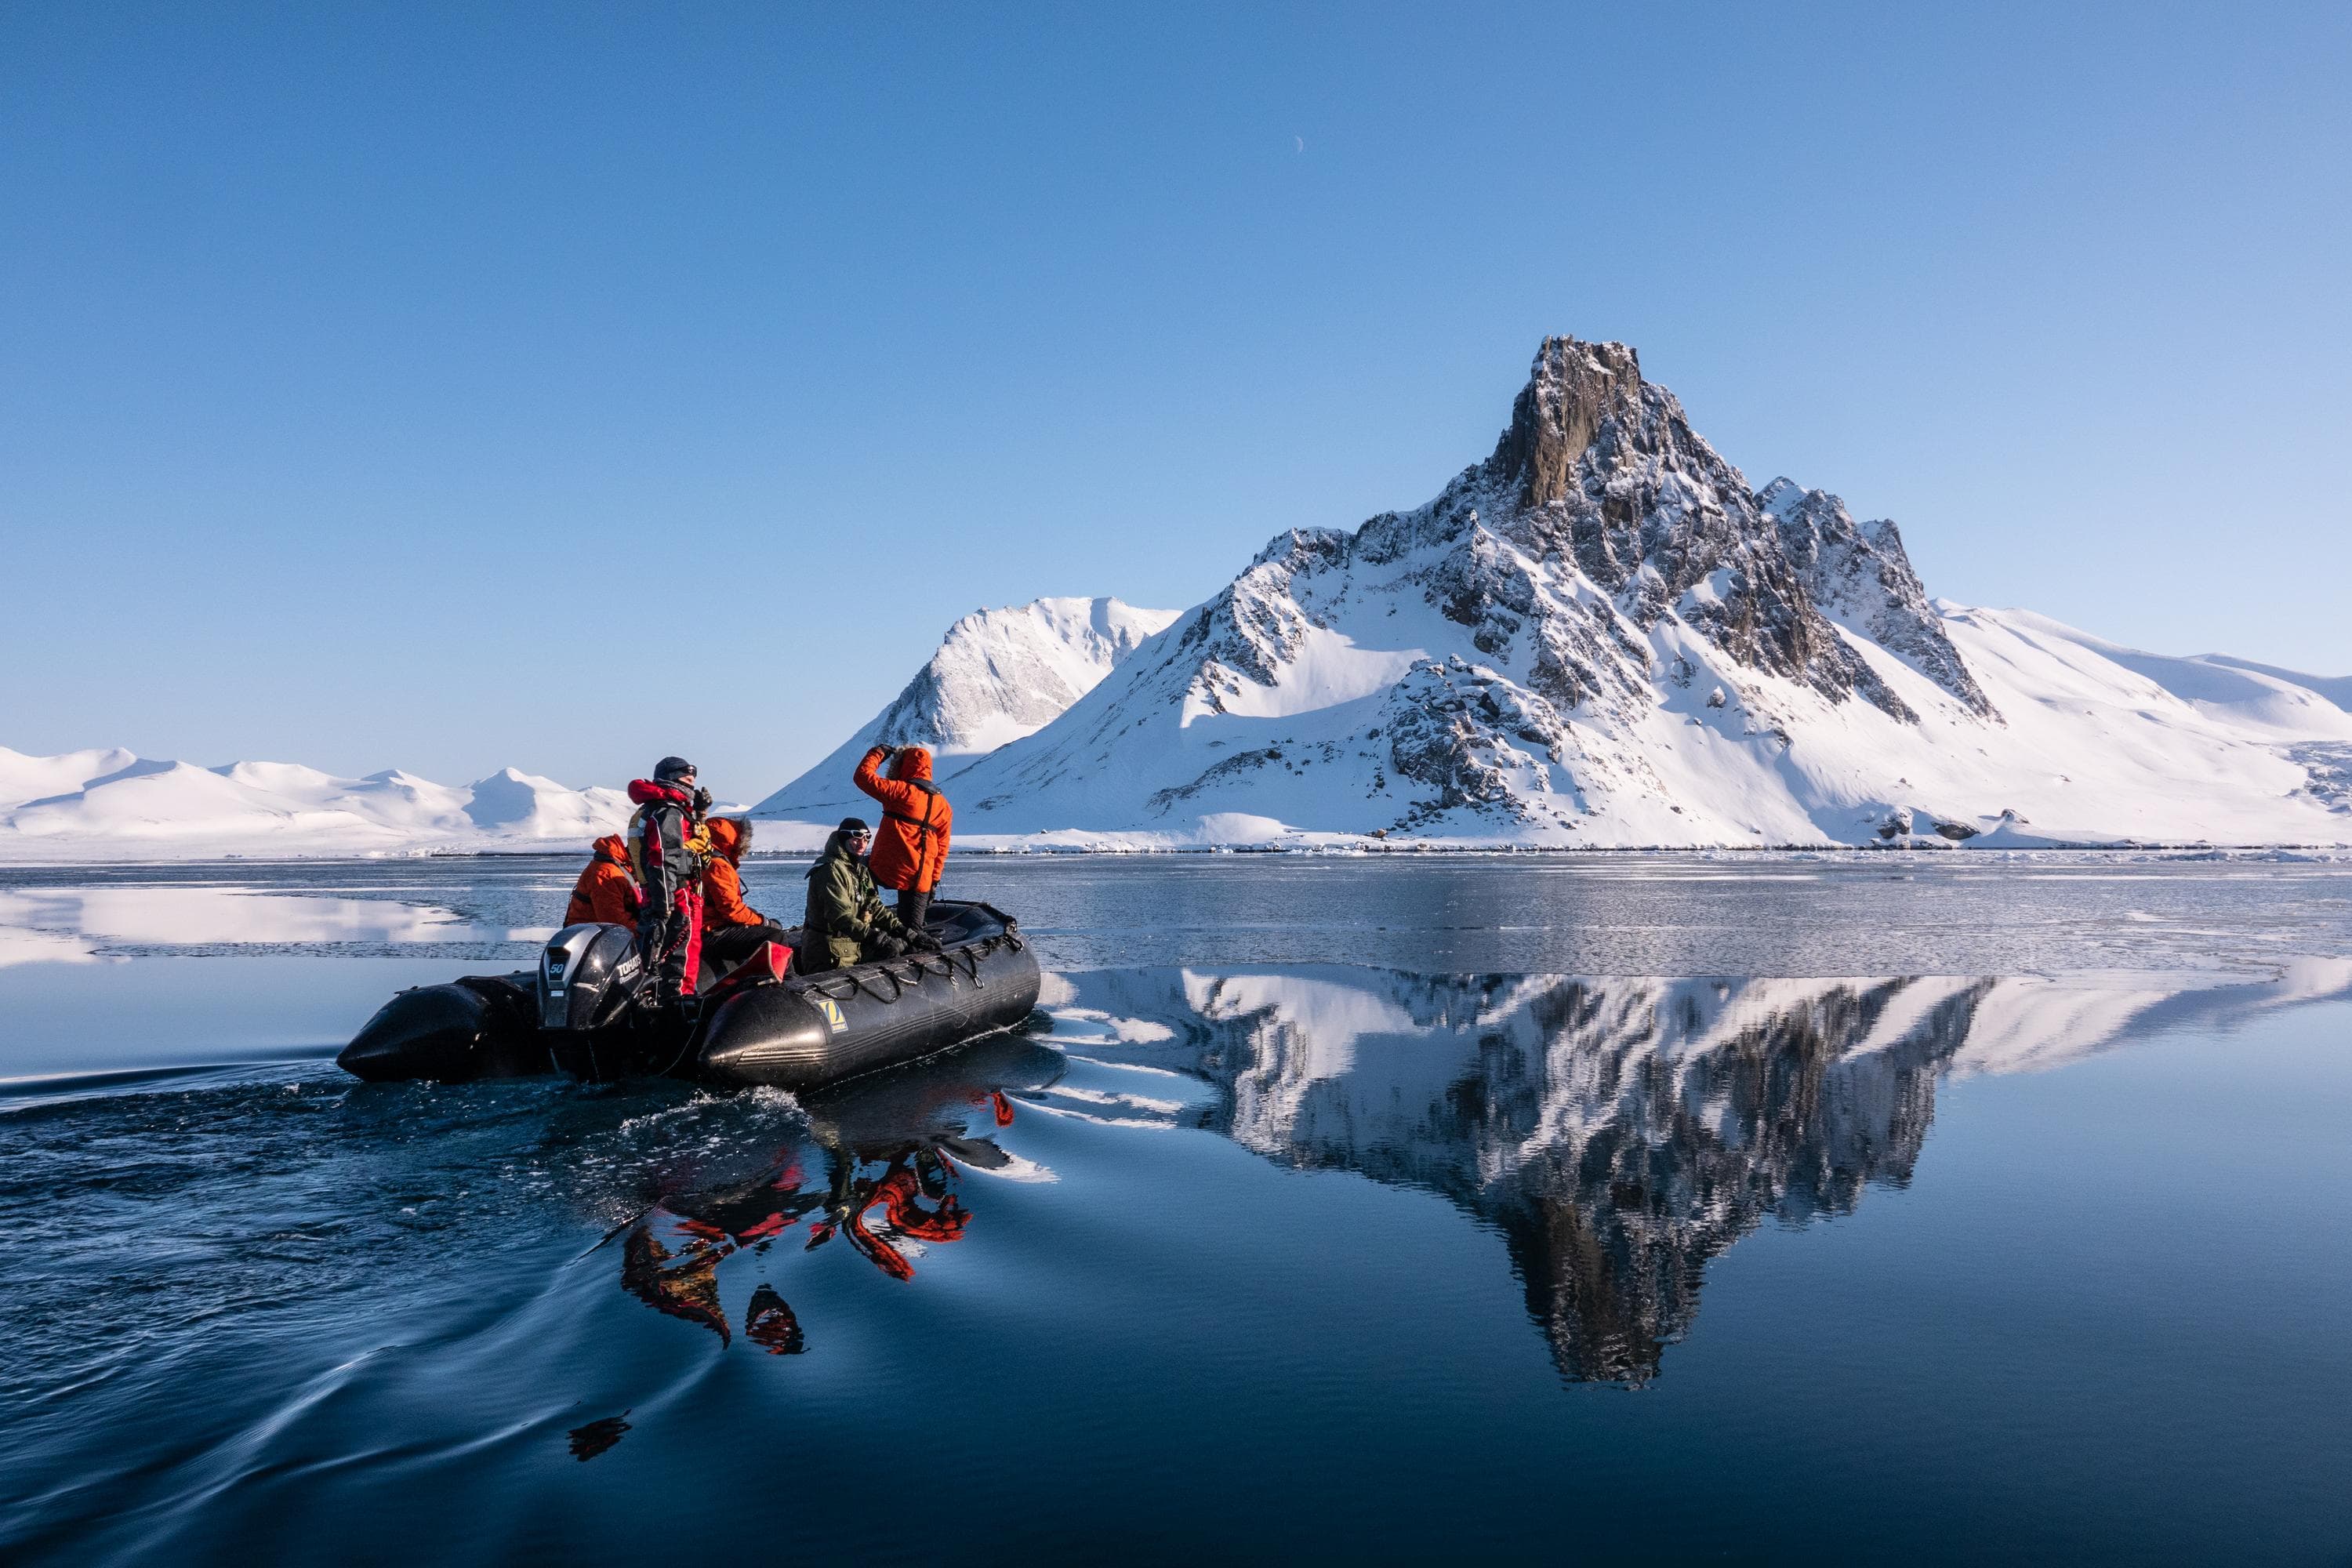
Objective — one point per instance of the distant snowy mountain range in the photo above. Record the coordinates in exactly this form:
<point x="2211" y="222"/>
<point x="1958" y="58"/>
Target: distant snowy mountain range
<point x="115" y="802"/>
<point x="1601" y="635"/>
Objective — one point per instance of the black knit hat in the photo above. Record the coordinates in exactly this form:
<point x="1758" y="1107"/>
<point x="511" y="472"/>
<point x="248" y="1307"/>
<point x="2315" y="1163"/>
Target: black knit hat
<point x="672" y="768"/>
<point x="854" y="825"/>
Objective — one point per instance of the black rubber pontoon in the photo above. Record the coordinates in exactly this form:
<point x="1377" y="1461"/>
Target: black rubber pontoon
<point x="576" y="1013"/>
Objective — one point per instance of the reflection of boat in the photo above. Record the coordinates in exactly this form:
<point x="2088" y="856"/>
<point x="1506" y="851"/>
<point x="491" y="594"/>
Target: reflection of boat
<point x="759" y="1025"/>
<point x="880" y="1166"/>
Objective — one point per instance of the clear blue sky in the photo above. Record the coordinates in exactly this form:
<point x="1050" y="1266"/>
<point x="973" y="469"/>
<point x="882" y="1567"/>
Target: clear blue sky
<point x="445" y="386"/>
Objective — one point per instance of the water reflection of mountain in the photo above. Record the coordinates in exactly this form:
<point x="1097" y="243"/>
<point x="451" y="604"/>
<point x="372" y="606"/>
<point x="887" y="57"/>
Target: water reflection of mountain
<point x="1622" y="1133"/>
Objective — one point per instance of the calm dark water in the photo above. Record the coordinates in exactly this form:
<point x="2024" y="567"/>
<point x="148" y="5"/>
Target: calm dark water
<point x="1854" y="1210"/>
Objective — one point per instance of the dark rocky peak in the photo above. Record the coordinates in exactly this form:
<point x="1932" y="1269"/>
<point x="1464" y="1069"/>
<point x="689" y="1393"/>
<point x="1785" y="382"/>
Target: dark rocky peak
<point x="1600" y="481"/>
<point x="1602" y="467"/>
<point x="1858" y="574"/>
<point x="1305" y="550"/>
<point x="1814" y="524"/>
<point x="1572" y="388"/>
<point x="1601" y="471"/>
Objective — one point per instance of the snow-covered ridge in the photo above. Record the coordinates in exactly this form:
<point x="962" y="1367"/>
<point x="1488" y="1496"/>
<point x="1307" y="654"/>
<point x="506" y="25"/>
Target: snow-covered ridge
<point x="997" y="676"/>
<point x="97" y="803"/>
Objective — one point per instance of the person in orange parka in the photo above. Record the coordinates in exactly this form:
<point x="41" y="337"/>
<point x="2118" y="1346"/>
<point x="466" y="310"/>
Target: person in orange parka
<point x="732" y="929"/>
<point x="607" y="890"/>
<point x="911" y="850"/>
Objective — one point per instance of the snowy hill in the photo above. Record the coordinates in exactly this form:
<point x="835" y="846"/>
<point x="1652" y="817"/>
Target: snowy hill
<point x="97" y="804"/>
<point x="997" y="676"/>
<point x="2231" y="691"/>
<point x="1602" y="636"/>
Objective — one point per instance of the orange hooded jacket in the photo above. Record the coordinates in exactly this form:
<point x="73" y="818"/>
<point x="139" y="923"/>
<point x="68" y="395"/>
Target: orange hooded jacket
<point x="911" y="849"/>
<point x="722" y="883"/>
<point x="605" y="892"/>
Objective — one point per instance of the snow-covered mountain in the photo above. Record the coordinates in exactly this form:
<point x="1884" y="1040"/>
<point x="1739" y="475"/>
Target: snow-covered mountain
<point x="1602" y="635"/>
<point x="99" y="803"/>
<point x="997" y="676"/>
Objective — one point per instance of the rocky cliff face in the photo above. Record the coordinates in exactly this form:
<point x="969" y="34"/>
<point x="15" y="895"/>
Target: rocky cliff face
<point x="1600" y="473"/>
<point x="1600" y="469"/>
<point x="1857" y="575"/>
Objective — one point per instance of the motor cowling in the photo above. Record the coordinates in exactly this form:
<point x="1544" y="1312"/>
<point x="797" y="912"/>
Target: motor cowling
<point x="585" y="974"/>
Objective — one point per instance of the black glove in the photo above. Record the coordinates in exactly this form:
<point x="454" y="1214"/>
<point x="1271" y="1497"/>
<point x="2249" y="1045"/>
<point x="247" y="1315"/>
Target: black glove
<point x="922" y="942"/>
<point x="889" y="947"/>
<point x="702" y="799"/>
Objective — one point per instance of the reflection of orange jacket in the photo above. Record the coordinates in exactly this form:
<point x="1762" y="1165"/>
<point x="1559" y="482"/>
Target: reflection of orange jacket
<point x="606" y="891"/>
<point x="895" y="1195"/>
<point x="910" y="850"/>
<point x="722" y="883"/>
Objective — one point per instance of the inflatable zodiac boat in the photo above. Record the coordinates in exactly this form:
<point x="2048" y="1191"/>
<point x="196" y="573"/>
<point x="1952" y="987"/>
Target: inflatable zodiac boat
<point x="759" y="1024"/>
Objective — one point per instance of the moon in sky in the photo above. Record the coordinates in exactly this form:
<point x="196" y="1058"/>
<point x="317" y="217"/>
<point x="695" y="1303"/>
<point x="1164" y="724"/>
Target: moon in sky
<point x="1302" y="143"/>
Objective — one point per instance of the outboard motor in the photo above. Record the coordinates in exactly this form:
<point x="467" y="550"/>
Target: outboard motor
<point x="586" y="974"/>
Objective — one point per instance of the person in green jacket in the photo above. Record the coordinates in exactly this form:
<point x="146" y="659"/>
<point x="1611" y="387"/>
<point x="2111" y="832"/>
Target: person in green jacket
<point x="846" y="920"/>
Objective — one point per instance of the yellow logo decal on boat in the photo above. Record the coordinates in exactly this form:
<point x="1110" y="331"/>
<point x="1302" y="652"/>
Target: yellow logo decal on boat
<point x="833" y="1021"/>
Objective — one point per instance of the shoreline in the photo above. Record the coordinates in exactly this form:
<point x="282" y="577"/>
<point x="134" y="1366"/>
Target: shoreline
<point x="1938" y="850"/>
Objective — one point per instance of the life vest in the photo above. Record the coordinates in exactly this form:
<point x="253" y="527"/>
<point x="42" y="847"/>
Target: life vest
<point x="697" y="847"/>
<point x="930" y="822"/>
